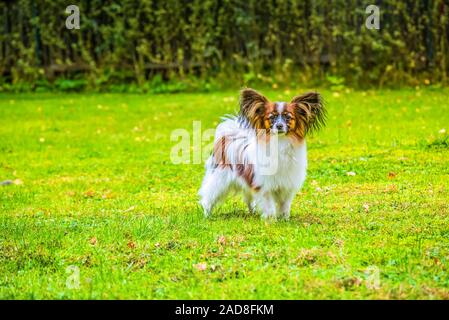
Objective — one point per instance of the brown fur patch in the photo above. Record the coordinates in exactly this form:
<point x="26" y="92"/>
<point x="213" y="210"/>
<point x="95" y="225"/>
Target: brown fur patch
<point x="269" y="109"/>
<point x="220" y="151"/>
<point x="296" y="129"/>
<point x="246" y="171"/>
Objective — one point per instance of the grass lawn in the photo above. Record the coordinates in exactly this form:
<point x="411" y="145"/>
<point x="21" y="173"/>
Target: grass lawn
<point x="93" y="191"/>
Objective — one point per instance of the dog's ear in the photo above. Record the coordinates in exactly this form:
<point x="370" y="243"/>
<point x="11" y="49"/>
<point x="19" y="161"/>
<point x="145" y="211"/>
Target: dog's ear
<point x="252" y="105"/>
<point x="310" y="111"/>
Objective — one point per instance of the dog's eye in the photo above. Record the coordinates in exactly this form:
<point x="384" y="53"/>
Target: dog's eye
<point x="287" y="116"/>
<point x="272" y="117"/>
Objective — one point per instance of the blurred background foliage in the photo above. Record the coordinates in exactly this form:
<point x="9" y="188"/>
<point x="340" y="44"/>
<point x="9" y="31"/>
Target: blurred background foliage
<point x="174" y="45"/>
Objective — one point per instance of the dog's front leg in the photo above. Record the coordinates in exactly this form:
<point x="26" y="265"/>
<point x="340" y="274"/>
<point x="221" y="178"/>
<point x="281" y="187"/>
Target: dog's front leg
<point x="250" y="203"/>
<point x="285" y="205"/>
<point x="268" y="206"/>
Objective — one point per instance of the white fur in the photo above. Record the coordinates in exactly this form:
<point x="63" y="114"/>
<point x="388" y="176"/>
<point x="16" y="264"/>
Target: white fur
<point x="281" y="106"/>
<point x="276" y="190"/>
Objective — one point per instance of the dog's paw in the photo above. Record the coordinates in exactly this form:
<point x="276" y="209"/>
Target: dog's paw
<point x="207" y="209"/>
<point x="284" y="216"/>
<point x="206" y="214"/>
<point x="269" y="217"/>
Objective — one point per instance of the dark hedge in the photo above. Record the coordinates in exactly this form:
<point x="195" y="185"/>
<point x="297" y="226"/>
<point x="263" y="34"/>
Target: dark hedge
<point x="282" y="41"/>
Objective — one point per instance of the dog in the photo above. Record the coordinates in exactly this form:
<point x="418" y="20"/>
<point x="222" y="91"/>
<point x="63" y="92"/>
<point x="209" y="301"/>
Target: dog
<point x="240" y="163"/>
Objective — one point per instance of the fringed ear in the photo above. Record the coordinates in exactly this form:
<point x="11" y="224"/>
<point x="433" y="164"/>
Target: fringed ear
<point x="253" y="106"/>
<point x="310" y="111"/>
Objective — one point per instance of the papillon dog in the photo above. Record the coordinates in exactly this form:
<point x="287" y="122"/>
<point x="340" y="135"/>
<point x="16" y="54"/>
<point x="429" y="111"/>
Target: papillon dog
<point x="261" y="152"/>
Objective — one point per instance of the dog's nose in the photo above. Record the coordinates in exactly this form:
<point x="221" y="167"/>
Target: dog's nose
<point x="279" y="127"/>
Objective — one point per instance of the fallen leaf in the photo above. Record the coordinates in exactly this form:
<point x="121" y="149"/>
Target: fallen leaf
<point x="200" y="266"/>
<point x="221" y="240"/>
<point x="350" y="173"/>
<point x="131" y="245"/>
<point x="89" y="193"/>
<point x="107" y="195"/>
<point x="93" y="241"/>
<point x="391" y="175"/>
<point x="366" y="207"/>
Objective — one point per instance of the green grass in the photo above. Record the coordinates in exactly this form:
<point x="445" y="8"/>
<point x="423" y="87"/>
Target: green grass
<point x="95" y="188"/>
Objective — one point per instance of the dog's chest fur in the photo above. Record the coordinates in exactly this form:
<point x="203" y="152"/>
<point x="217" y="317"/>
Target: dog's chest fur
<point x="291" y="168"/>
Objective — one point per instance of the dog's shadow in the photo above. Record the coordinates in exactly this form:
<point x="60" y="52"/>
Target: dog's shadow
<point x="233" y="214"/>
<point x="296" y="219"/>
